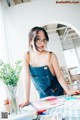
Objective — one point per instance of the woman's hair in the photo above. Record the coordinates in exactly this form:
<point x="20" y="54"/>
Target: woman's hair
<point x="33" y="35"/>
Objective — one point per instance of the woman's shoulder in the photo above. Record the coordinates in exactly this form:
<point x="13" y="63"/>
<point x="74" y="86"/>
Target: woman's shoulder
<point x="52" y="56"/>
<point x="26" y="55"/>
<point x="52" y="53"/>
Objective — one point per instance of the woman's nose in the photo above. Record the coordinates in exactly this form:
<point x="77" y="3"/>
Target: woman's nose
<point x="42" y="42"/>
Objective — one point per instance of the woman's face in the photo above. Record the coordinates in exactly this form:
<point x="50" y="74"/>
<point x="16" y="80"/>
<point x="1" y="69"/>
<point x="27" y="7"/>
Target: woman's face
<point x="41" y="41"/>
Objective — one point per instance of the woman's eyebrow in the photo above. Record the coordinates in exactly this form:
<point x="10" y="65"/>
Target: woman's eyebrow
<point x="41" y="36"/>
<point x="38" y="36"/>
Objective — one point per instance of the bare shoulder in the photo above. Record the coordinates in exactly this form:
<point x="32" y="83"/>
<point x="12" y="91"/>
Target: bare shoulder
<point x="53" y="56"/>
<point x="26" y="57"/>
<point x="54" y="60"/>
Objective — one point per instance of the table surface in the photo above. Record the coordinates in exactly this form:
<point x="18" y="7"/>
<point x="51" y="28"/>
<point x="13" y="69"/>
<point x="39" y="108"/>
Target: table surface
<point x="65" y="112"/>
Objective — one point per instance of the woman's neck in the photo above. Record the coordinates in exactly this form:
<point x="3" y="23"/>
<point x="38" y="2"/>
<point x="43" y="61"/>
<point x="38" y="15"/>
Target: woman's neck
<point x="38" y="53"/>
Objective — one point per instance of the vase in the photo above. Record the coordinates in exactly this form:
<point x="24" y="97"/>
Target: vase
<point x="13" y="100"/>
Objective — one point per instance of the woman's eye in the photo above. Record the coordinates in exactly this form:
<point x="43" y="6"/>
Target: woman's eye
<point x="45" y="40"/>
<point x="38" y="38"/>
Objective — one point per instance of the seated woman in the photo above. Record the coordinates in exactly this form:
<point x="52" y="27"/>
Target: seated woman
<point x="43" y="67"/>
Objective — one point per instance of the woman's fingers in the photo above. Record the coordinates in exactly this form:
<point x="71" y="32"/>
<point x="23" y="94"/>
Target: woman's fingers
<point x="77" y="91"/>
<point x="23" y="104"/>
<point x="74" y="92"/>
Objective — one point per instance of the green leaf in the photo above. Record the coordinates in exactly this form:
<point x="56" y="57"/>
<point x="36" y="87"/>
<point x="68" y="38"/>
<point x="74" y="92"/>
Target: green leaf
<point x="10" y="74"/>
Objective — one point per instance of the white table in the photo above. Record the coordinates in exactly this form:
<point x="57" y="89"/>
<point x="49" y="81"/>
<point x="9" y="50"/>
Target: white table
<point x="65" y="112"/>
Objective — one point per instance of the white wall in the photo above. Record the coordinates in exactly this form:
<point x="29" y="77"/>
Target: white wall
<point x="22" y="17"/>
<point x="55" y="46"/>
<point x="78" y="52"/>
<point x="3" y="46"/>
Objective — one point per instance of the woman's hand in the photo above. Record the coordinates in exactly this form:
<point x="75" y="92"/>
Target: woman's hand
<point x="24" y="104"/>
<point x="73" y="92"/>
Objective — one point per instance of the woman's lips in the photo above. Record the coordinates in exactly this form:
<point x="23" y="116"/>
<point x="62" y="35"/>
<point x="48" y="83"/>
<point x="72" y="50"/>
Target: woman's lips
<point x="41" y="47"/>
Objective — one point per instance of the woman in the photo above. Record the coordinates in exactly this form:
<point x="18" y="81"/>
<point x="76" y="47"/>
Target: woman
<point x="43" y="66"/>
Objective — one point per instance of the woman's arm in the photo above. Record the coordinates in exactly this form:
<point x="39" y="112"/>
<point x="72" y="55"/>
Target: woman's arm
<point x="55" y="64"/>
<point x="25" y="81"/>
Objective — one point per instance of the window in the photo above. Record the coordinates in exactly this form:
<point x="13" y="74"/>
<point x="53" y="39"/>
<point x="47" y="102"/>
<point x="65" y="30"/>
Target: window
<point x="71" y="58"/>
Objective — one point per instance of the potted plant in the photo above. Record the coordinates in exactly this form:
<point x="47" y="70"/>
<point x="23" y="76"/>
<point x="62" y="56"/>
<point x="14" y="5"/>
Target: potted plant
<point x="10" y="74"/>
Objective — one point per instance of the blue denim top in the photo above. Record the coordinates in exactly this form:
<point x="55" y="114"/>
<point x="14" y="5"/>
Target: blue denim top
<point x="45" y="82"/>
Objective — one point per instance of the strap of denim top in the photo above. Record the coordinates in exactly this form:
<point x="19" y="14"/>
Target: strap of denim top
<point x="28" y="58"/>
<point x="50" y="54"/>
